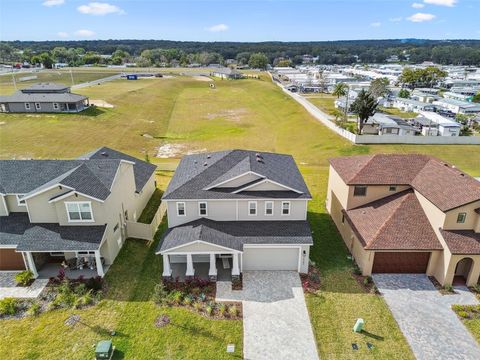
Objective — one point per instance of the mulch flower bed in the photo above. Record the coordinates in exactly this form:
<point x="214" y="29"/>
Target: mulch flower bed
<point x="366" y="282"/>
<point x="467" y="312"/>
<point x="197" y="295"/>
<point x="311" y="281"/>
<point x="444" y="290"/>
<point x="237" y="283"/>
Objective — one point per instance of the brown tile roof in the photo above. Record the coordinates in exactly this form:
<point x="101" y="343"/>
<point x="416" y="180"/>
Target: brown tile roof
<point x="462" y="241"/>
<point x="396" y="222"/>
<point x="445" y="186"/>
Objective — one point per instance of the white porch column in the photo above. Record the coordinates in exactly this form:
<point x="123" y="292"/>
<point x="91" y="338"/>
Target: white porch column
<point x="235" y="268"/>
<point x="98" y="262"/>
<point x="190" y="269"/>
<point x="213" y="267"/>
<point x="167" y="270"/>
<point x="31" y="264"/>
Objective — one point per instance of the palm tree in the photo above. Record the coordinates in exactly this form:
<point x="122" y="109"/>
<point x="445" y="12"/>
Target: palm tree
<point x="364" y="106"/>
<point x="341" y="89"/>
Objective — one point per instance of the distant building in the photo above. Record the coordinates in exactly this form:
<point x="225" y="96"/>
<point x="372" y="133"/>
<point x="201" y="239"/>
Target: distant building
<point x="44" y="98"/>
<point x="458" y="107"/>
<point x="412" y="105"/>
<point x="227" y="73"/>
<point x="445" y="126"/>
<point x="381" y="124"/>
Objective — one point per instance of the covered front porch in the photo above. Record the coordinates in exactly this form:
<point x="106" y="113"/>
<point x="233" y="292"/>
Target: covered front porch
<point x="202" y="270"/>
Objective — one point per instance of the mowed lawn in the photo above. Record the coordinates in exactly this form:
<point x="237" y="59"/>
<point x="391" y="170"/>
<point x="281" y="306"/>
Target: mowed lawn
<point x="190" y="116"/>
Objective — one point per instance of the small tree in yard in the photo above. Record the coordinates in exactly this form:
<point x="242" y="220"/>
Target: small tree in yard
<point x="340" y="89"/>
<point x="404" y="94"/>
<point x="364" y="106"/>
<point x="379" y="87"/>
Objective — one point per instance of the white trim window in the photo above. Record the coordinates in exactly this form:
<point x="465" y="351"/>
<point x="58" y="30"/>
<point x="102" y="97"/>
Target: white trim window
<point x="19" y="201"/>
<point x="27" y="106"/>
<point x="37" y="106"/>
<point x="285" y="208"/>
<point x="202" y="209"/>
<point x="55" y="106"/>
<point x="79" y="211"/>
<point x="268" y="208"/>
<point x="252" y="208"/>
<point x="181" y="209"/>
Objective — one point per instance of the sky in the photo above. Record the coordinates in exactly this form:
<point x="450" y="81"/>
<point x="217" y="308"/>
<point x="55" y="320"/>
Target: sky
<point x="247" y="20"/>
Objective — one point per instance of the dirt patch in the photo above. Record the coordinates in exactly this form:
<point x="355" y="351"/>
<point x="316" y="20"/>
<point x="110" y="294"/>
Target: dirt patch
<point x="201" y="78"/>
<point x="101" y="103"/>
<point x="167" y="151"/>
<point x="2" y="123"/>
<point x="234" y="115"/>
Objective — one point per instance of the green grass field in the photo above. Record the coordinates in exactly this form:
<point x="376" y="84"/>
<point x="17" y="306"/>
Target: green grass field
<point x="188" y="116"/>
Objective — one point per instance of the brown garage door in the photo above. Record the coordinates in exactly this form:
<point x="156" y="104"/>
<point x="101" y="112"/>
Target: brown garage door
<point x="11" y="260"/>
<point x="401" y="262"/>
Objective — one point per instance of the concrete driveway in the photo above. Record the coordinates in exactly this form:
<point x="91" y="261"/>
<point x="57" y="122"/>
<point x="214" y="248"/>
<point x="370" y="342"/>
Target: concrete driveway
<point x="425" y="316"/>
<point x="276" y="324"/>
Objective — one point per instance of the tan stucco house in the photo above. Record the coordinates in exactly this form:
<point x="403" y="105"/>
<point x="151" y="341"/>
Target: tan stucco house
<point x="64" y="211"/>
<point x="233" y="211"/>
<point x="407" y="214"/>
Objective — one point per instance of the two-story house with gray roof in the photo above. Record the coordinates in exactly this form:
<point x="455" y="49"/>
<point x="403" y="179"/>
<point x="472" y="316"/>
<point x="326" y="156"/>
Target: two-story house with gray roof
<point x="72" y="212"/>
<point x="44" y="98"/>
<point x="234" y="211"/>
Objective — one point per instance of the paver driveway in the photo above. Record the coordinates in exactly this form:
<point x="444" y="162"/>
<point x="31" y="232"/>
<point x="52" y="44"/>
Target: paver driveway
<point x="276" y="324"/>
<point x="9" y="288"/>
<point x="425" y="316"/>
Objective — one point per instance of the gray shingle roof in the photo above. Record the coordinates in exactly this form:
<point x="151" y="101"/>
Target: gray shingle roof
<point x="46" y="87"/>
<point x="235" y="234"/>
<point x="20" y="97"/>
<point x="92" y="174"/>
<point x="195" y="173"/>
<point x="16" y="229"/>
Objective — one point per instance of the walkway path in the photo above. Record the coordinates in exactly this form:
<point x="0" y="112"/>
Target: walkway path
<point x="276" y="324"/>
<point x="425" y="316"/>
<point x="8" y="287"/>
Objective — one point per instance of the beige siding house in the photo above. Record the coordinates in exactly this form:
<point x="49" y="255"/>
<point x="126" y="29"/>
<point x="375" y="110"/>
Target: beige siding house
<point x="407" y="214"/>
<point x="70" y="212"/>
<point x="233" y="211"/>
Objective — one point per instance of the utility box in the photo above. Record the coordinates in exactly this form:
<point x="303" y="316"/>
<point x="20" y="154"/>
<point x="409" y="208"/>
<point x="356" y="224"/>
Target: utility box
<point x="104" y="350"/>
<point x="358" y="327"/>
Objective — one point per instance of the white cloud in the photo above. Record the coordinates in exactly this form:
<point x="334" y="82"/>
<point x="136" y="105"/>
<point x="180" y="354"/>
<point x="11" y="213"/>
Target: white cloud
<point x="53" y="2"/>
<point x="418" y="5"/>
<point x="218" y="28"/>
<point x="449" y="3"/>
<point x="62" y="34"/>
<point x="421" y="17"/>
<point x="376" y="24"/>
<point x="84" y="33"/>
<point x="97" y="8"/>
<point x="395" y="19"/>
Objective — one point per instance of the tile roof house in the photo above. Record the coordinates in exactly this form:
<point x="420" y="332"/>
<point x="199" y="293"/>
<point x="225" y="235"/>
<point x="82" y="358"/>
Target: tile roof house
<point x="70" y="210"/>
<point x="44" y="98"/>
<point x="407" y="214"/>
<point x="238" y="210"/>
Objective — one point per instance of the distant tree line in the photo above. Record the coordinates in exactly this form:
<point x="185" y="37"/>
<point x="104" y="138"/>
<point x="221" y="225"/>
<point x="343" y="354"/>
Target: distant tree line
<point x="160" y="52"/>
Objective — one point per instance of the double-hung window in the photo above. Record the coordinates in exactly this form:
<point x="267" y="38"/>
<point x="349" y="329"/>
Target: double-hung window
<point x="181" y="209"/>
<point x="286" y="208"/>
<point x="27" y="106"/>
<point x="202" y="209"/>
<point x="79" y="211"/>
<point x="55" y="106"/>
<point x="252" y="208"/>
<point x="268" y="208"/>
<point x="461" y="217"/>
<point x="37" y="106"/>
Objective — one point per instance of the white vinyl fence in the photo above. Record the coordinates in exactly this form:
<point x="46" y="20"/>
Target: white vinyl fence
<point x="146" y="231"/>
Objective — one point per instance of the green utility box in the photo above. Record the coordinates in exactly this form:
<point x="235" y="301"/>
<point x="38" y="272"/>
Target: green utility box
<point x="104" y="350"/>
<point x="358" y="327"/>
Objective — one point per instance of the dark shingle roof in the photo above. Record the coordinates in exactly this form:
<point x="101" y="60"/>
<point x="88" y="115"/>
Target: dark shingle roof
<point x="92" y="175"/>
<point x="235" y="234"/>
<point x="462" y="241"/>
<point x="196" y="173"/>
<point x="45" y="87"/>
<point x="444" y="185"/>
<point x="16" y="229"/>
<point x="396" y="222"/>
<point x="20" y="97"/>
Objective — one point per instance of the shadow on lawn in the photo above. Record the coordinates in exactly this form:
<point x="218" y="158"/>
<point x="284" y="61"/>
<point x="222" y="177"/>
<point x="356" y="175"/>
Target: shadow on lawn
<point x="91" y="111"/>
<point x="373" y="336"/>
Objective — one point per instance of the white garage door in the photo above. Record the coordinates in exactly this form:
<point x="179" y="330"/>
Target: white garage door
<point x="270" y="259"/>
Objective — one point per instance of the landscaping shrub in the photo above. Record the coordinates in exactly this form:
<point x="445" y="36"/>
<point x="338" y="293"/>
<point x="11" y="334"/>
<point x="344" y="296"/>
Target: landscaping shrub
<point x="24" y="278"/>
<point x="477" y="288"/>
<point x="463" y="314"/>
<point x="8" y="306"/>
<point x="175" y="297"/>
<point x="34" y="309"/>
<point x="188" y="300"/>
<point x="197" y="306"/>
<point x="233" y="310"/>
<point x="160" y="294"/>
<point x="209" y="310"/>
<point x="222" y="309"/>
<point x="448" y="288"/>
<point x="95" y="283"/>
<point x="366" y="281"/>
<point x="202" y="297"/>
<point x="83" y="299"/>
<point x="457" y="307"/>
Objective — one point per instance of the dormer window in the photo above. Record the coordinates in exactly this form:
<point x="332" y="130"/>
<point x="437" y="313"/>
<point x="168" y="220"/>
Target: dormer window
<point x="79" y="211"/>
<point x="461" y="217"/>
<point x="181" y="209"/>
<point x="252" y="208"/>
<point x="20" y="202"/>
<point x="202" y="209"/>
